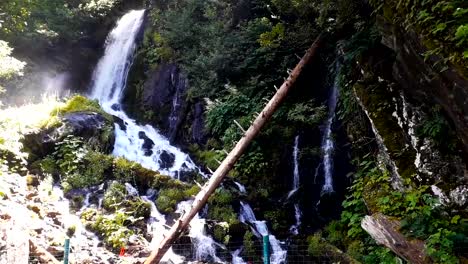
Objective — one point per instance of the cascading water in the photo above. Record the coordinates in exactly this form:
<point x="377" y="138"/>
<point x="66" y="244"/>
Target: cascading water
<point x="204" y="246"/>
<point x="295" y="186"/>
<point x="328" y="145"/>
<point x="260" y="229"/>
<point x="142" y="144"/>
<point x="296" y="179"/>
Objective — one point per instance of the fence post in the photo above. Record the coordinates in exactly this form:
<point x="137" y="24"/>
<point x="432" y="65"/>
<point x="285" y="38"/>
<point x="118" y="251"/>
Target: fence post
<point x="266" y="249"/>
<point x="66" y="250"/>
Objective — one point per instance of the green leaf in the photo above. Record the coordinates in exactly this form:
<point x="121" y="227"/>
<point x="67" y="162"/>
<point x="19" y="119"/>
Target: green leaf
<point x="455" y="219"/>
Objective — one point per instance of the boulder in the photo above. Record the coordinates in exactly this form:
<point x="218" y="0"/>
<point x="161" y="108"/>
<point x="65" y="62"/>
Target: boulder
<point x="92" y="127"/>
<point x="166" y="160"/>
<point x="147" y="143"/>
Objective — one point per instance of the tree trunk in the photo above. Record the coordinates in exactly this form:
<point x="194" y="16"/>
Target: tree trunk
<point x="227" y="164"/>
<point x="386" y="232"/>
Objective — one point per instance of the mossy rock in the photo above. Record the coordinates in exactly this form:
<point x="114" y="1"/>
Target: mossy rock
<point x="79" y="117"/>
<point x="376" y="98"/>
<point x="168" y="198"/>
<point x="116" y="197"/>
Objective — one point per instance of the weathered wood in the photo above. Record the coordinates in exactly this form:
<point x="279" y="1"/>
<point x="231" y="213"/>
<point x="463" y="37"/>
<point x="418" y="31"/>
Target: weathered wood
<point x="234" y="155"/>
<point x="385" y="231"/>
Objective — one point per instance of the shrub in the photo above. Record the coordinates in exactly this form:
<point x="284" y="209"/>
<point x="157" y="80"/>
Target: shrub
<point x="315" y="244"/>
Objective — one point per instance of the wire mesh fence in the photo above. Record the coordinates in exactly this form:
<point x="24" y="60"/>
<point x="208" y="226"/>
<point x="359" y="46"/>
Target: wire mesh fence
<point x="247" y="253"/>
<point x="252" y="252"/>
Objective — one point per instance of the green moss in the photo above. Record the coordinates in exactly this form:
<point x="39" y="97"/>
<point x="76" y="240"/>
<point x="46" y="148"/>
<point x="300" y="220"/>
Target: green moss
<point x="93" y="169"/>
<point x="437" y="24"/>
<point x="221" y="233"/>
<point x="114" y="195"/>
<point x="169" y="198"/>
<point x="129" y="171"/>
<point x="116" y="198"/>
<point x="376" y="98"/>
<point x="79" y="103"/>
<point x="115" y="229"/>
<point x="220" y="206"/>
<point x="249" y="244"/>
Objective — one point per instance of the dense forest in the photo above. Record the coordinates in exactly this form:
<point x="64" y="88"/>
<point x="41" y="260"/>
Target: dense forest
<point x="114" y="114"/>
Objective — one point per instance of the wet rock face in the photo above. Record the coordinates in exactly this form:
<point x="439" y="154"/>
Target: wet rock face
<point x="198" y="127"/>
<point x="147" y="143"/>
<point x="425" y="82"/>
<point x="92" y="127"/>
<point x="84" y="124"/>
<point x="164" y="93"/>
<point x="162" y="102"/>
<point x="166" y="160"/>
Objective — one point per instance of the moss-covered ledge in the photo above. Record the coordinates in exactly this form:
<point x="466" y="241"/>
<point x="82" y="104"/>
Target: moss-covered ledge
<point x="376" y="99"/>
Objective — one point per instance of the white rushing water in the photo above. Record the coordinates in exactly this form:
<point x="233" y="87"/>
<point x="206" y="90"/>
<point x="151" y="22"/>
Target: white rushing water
<point x="204" y="245"/>
<point x="260" y="229"/>
<point x="328" y="144"/>
<point x="296" y="180"/>
<point x="240" y="187"/>
<point x="140" y="143"/>
<point x="295" y="186"/>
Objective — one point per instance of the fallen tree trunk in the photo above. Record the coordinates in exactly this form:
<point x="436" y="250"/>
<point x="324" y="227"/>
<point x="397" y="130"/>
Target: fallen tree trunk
<point x="202" y="197"/>
<point x="386" y="232"/>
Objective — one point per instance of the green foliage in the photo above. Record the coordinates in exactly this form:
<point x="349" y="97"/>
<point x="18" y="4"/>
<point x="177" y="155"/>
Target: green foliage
<point x="114" y="195"/>
<point x="69" y="155"/>
<point x="116" y="198"/>
<point x="9" y="66"/>
<point x="221" y="233"/>
<point x="421" y="214"/>
<point x="220" y="116"/>
<point x="220" y="206"/>
<point x="114" y="228"/>
<point x="249" y="243"/>
<point x="442" y="25"/>
<point x="277" y="219"/>
<point x="315" y="242"/>
<point x="79" y="103"/>
<point x="436" y="127"/>
<point x="273" y="38"/>
<point x="50" y="19"/>
<point x="169" y="198"/>
<point x="307" y="113"/>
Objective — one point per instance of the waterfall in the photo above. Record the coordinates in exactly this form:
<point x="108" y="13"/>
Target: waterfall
<point x="143" y="143"/>
<point x="295" y="187"/>
<point x="260" y="229"/>
<point x="240" y="187"/>
<point x="139" y="143"/>
<point x="204" y="245"/>
<point x="328" y="144"/>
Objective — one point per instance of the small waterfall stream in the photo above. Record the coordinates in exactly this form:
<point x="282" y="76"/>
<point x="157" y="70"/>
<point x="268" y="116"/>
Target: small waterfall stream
<point x="328" y="143"/>
<point x="297" y="211"/>
<point x="260" y="229"/>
